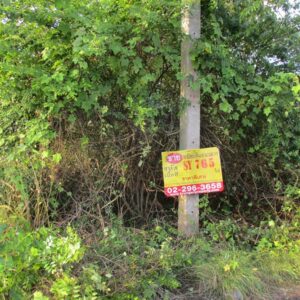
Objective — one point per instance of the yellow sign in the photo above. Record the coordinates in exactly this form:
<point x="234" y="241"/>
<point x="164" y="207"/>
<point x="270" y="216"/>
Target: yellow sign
<point x="194" y="171"/>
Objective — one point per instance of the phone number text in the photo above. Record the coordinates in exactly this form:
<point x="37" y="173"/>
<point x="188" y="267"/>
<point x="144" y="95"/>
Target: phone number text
<point x="202" y="188"/>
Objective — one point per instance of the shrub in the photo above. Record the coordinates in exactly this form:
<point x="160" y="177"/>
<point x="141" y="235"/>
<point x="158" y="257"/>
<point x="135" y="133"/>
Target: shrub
<point x="30" y="257"/>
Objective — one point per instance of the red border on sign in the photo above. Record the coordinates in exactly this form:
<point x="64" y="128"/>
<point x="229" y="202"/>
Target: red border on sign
<point x="191" y="189"/>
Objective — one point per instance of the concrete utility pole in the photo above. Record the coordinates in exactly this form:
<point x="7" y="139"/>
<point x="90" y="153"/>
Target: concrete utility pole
<point x="188" y="212"/>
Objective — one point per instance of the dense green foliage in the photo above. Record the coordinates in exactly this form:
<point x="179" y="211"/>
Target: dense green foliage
<point x="29" y="256"/>
<point x="100" y="81"/>
<point x="136" y="264"/>
<point x="89" y="97"/>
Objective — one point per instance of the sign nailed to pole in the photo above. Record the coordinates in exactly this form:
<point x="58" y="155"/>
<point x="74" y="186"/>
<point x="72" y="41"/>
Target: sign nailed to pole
<point x="192" y="171"/>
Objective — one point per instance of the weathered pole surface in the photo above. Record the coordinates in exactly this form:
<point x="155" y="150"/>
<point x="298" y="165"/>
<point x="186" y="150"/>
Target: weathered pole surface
<point x="188" y="212"/>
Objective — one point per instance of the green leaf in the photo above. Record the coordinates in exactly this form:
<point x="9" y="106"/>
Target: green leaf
<point x="267" y="111"/>
<point x="59" y="3"/>
<point x="57" y="158"/>
<point x="226" y="107"/>
<point x="72" y="118"/>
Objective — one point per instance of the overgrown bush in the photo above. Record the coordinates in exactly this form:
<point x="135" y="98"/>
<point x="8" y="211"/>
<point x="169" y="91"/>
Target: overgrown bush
<point x="127" y="263"/>
<point x="97" y="84"/>
<point x="89" y="97"/>
<point x="31" y="258"/>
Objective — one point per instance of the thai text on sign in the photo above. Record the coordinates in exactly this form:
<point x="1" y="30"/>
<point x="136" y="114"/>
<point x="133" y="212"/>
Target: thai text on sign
<point x="193" y="171"/>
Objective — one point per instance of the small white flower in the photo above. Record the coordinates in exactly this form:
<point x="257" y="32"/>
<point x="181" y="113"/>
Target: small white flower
<point x="49" y="241"/>
<point x="20" y="22"/>
<point x="4" y="20"/>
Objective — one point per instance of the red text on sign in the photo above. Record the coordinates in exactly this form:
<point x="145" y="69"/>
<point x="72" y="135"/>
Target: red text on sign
<point x="202" y="188"/>
<point x="198" y="164"/>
